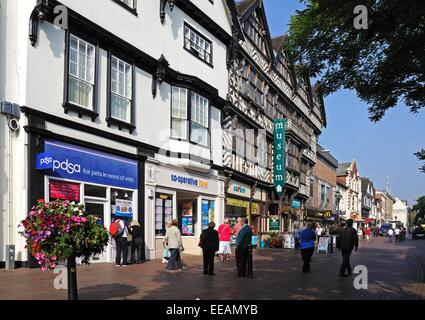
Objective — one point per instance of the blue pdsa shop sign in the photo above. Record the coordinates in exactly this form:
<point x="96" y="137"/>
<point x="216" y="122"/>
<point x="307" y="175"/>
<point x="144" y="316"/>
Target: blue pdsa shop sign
<point x="71" y="162"/>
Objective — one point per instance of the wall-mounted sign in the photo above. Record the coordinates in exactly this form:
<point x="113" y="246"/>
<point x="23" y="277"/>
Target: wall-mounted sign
<point x="296" y="204"/>
<point x="189" y="181"/>
<point x="81" y="164"/>
<point x="279" y="156"/>
<point x="237" y="203"/>
<point x="239" y="189"/>
<point x="124" y="208"/>
<point x="64" y="190"/>
<point x="274" y="224"/>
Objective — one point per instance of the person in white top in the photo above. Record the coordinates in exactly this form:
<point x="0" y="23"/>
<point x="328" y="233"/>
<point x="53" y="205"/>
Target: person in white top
<point x="397" y="234"/>
<point x="390" y="234"/>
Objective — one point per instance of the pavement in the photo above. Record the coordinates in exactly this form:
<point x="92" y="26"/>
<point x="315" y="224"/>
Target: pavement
<point x="394" y="272"/>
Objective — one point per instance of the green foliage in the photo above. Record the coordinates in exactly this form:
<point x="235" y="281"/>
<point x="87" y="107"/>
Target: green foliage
<point x="384" y="64"/>
<point x="421" y="156"/>
<point x="419" y="207"/>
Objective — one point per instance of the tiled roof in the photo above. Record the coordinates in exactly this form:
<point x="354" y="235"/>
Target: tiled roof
<point x="342" y="169"/>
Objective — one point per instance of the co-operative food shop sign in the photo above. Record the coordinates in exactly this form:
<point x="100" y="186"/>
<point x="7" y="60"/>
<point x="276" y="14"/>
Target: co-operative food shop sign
<point x="71" y="162"/>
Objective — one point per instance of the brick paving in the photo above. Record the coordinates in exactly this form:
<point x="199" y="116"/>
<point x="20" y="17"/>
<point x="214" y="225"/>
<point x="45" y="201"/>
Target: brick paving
<point x="394" y="272"/>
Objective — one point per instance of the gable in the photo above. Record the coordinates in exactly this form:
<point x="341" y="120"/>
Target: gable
<point x="255" y="26"/>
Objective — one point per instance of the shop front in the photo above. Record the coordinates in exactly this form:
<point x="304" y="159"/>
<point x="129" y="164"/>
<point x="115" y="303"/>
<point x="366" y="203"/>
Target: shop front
<point x="313" y="215"/>
<point x="244" y="201"/>
<point x="106" y="184"/>
<point x="190" y="198"/>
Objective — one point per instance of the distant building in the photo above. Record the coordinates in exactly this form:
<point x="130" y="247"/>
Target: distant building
<point x="368" y="207"/>
<point x="401" y="212"/>
<point x="348" y="176"/>
<point x="380" y="200"/>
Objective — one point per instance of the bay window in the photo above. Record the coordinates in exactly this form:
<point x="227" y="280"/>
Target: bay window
<point x="81" y="77"/>
<point x="189" y="110"/>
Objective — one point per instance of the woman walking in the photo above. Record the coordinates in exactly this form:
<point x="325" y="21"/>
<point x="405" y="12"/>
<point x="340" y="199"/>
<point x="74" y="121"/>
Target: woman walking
<point x="307" y="237"/>
<point x="224" y="233"/>
<point x="173" y="241"/>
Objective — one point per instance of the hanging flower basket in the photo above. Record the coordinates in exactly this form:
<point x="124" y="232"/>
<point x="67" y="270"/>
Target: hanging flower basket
<point x="61" y="231"/>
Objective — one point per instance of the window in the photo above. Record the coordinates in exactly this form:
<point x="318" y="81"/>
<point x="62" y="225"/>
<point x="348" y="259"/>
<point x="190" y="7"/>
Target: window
<point x="197" y="44"/>
<point x="253" y="86"/>
<point x="239" y="142"/>
<point x="130" y="5"/>
<point x="163" y="213"/>
<point x="179" y="113"/>
<point x="283" y="67"/>
<point x="200" y="119"/>
<point x="81" y="72"/>
<point x="256" y="32"/>
<point x="262" y="149"/>
<point x="121" y="90"/>
<point x="270" y="102"/>
<point x="198" y="108"/>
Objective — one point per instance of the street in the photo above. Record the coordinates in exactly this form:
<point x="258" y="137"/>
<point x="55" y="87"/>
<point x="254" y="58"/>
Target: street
<point x="395" y="271"/>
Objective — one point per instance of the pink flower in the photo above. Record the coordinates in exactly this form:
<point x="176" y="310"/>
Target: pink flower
<point x="43" y="268"/>
<point x="53" y="258"/>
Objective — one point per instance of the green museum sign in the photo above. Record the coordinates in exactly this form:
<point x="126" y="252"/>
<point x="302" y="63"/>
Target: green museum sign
<point x="279" y="156"/>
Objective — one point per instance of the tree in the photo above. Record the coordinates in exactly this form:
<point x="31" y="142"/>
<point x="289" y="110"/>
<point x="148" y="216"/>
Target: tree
<point x="421" y="156"/>
<point x="419" y="207"/>
<point x="384" y="64"/>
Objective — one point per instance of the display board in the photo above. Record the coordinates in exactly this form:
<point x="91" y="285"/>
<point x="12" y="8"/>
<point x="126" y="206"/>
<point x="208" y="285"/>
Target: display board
<point x="187" y="219"/>
<point x="289" y="242"/>
<point x="323" y="244"/>
<point x="64" y="190"/>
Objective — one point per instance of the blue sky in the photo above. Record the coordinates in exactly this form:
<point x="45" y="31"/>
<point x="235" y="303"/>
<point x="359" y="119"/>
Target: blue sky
<point x="382" y="149"/>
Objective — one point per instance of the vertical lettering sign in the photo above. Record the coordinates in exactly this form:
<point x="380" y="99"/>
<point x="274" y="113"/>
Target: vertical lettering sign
<point x="279" y="156"/>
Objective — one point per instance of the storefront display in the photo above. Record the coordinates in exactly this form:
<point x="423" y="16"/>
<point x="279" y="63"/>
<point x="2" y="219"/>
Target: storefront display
<point x="187" y="218"/>
<point x="64" y="190"/>
<point x="163" y="213"/>
<point x="208" y="214"/>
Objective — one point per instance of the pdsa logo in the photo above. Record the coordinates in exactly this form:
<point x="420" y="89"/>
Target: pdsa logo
<point x="67" y="166"/>
<point x="44" y="161"/>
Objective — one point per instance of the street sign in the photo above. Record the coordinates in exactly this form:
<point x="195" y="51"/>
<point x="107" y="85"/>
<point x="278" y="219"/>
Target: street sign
<point x="279" y="156"/>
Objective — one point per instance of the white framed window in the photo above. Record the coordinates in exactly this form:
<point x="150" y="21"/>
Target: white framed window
<point x="262" y="149"/>
<point x="250" y="144"/>
<point x="197" y="44"/>
<point x="179" y="113"/>
<point x="121" y="89"/>
<point x="199" y="119"/>
<point x="189" y="110"/>
<point x="81" y="72"/>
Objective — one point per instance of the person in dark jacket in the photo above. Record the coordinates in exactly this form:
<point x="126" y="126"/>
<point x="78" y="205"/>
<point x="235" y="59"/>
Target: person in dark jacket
<point x="137" y="243"/>
<point x="243" y="241"/>
<point x="347" y="241"/>
<point x="307" y="237"/>
<point x="210" y="245"/>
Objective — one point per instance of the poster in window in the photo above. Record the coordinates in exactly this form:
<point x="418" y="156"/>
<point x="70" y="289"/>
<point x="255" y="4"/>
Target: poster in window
<point x="187" y="219"/>
<point x="124" y="208"/>
<point x="64" y="190"/>
<point x="205" y="214"/>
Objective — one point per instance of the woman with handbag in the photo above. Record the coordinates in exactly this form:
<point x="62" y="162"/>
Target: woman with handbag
<point x="173" y="241"/>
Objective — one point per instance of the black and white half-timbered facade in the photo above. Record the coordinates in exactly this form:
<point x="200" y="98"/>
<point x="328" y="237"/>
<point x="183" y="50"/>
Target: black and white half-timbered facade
<point x="264" y="86"/>
<point x="119" y="107"/>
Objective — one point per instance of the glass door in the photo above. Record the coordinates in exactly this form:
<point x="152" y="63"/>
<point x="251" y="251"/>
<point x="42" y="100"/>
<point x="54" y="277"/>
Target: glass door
<point x="98" y="209"/>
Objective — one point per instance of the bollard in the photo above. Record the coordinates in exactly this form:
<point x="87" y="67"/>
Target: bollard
<point x="10" y="257"/>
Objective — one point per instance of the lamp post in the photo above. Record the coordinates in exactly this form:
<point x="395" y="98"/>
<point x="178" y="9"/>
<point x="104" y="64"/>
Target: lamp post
<point x="338" y="197"/>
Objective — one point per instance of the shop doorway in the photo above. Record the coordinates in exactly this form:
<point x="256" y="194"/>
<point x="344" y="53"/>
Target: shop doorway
<point x="98" y="208"/>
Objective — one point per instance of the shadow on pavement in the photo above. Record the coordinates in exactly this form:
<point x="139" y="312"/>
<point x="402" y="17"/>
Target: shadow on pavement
<point x="107" y="291"/>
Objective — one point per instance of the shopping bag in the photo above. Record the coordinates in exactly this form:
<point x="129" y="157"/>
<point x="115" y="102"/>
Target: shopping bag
<point x="165" y="255"/>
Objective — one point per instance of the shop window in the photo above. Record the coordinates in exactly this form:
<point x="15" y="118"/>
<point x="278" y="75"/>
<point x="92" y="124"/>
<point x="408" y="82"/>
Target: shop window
<point x="64" y="190"/>
<point x="122" y="205"/>
<point x="97" y="210"/>
<point x="163" y="213"/>
<point x="187" y="217"/>
<point x="94" y="191"/>
<point x="208" y="213"/>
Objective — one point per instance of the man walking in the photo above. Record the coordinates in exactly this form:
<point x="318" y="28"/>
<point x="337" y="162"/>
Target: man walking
<point x="296" y="235"/>
<point x="397" y="234"/>
<point x="390" y="234"/>
<point x="209" y="243"/>
<point x="348" y="240"/>
<point x="243" y="240"/>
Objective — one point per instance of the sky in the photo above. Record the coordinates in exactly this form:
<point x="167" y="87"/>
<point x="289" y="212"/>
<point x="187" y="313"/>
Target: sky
<point x="381" y="149"/>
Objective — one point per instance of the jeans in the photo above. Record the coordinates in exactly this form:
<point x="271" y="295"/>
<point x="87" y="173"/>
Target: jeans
<point x="174" y="262"/>
<point x="208" y="255"/>
<point x="391" y="238"/>
<point x="137" y="244"/>
<point x="306" y="255"/>
<point x="122" y="249"/>
<point x="242" y="260"/>
<point x="345" y="261"/>
<point x="297" y="243"/>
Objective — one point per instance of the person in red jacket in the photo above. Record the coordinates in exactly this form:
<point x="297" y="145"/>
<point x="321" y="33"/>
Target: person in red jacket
<point x="224" y="234"/>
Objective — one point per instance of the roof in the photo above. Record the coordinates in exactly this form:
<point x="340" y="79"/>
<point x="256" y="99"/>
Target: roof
<point x="244" y="5"/>
<point x="342" y="169"/>
<point x="327" y="156"/>
<point x="277" y="42"/>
